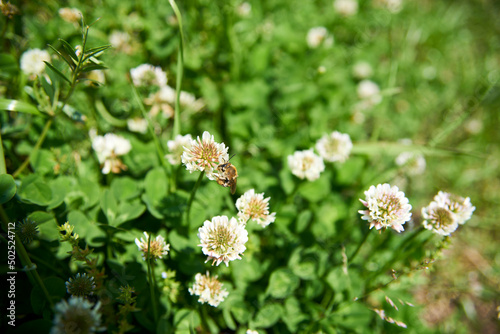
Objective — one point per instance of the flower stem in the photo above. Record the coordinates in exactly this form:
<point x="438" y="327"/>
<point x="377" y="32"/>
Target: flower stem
<point x="3" y="168"/>
<point x="180" y="67"/>
<point x="351" y="258"/>
<point x="191" y="198"/>
<point x="151" y="282"/>
<point x="37" y="146"/>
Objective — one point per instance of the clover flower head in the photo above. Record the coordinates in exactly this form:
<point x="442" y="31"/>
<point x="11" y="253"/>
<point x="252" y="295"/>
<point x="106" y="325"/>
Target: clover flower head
<point x="254" y="206"/>
<point x="204" y="155"/>
<point x="26" y="230"/>
<point x="120" y="40"/>
<point x="362" y="70"/>
<point x="369" y="92"/>
<point x="386" y="207"/>
<point x="148" y="75"/>
<point x="209" y="289"/>
<point x="157" y="247"/>
<point x="76" y="315"/>
<point x="80" y="285"/>
<point x="412" y="163"/>
<point x="316" y="36"/>
<point x="71" y="15"/>
<point x="460" y="206"/>
<point x="176" y="148"/>
<point x="108" y="148"/>
<point x="139" y="125"/>
<point x="32" y="62"/>
<point x="222" y="239"/>
<point x="346" y="7"/>
<point x="306" y="164"/>
<point x="334" y="147"/>
<point x="244" y="9"/>
<point x="439" y="219"/>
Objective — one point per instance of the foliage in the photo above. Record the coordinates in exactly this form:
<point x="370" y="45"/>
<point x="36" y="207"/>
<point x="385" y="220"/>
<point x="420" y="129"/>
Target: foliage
<point x="260" y="89"/>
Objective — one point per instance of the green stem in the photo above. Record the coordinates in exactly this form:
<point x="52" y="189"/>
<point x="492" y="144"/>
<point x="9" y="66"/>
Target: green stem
<point x="3" y="168"/>
<point x="180" y="68"/>
<point x="151" y="282"/>
<point x="37" y="146"/>
<point x="159" y="149"/>
<point x="351" y="258"/>
<point x="191" y="198"/>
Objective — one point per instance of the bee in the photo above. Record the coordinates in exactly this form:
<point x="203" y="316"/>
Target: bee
<point x="227" y="175"/>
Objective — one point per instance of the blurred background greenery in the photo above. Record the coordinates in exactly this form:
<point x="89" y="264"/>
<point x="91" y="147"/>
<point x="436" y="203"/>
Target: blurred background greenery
<point x="267" y="94"/>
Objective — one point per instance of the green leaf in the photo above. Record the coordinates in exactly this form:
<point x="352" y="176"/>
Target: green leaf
<point x="125" y="188"/>
<point x="8" y="65"/>
<point x="91" y="52"/>
<point x="35" y="190"/>
<point x="87" y="229"/>
<point x="293" y="314"/>
<point x="282" y="283"/>
<point x="267" y="316"/>
<point x="47" y="225"/>
<point x="109" y="206"/>
<point x="155" y="186"/>
<point x="68" y="60"/>
<point x="19" y="106"/>
<point x="56" y="71"/>
<point x="69" y="49"/>
<point x="42" y="161"/>
<point x="7" y="188"/>
<point x="92" y="67"/>
<point x="56" y="289"/>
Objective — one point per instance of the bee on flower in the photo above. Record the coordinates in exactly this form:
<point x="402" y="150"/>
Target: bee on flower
<point x="205" y="155"/>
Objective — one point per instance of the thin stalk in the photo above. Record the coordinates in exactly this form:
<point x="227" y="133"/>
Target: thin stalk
<point x="351" y="259"/>
<point x="180" y="68"/>
<point x="159" y="149"/>
<point x="191" y="198"/>
<point x="3" y="168"/>
<point x="37" y="146"/>
<point x="151" y="281"/>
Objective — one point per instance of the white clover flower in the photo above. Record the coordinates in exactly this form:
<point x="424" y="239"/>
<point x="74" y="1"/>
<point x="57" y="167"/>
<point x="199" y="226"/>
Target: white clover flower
<point x="77" y="315"/>
<point x="108" y="148"/>
<point x="251" y="331"/>
<point x="439" y="219"/>
<point x="244" y="9"/>
<point x="176" y="148"/>
<point x="334" y="147"/>
<point x="32" y="62"/>
<point x="204" y="155"/>
<point x="137" y="124"/>
<point x="362" y="70"/>
<point x="254" y="206"/>
<point x="209" y="289"/>
<point x="71" y="15"/>
<point x="346" y="7"/>
<point x="387" y="207"/>
<point x="393" y="6"/>
<point x="223" y="240"/>
<point x="306" y="164"/>
<point x="413" y="163"/>
<point x="147" y="75"/>
<point x="461" y="207"/>
<point x="158" y="247"/>
<point x="369" y="91"/>
<point x="121" y="41"/>
<point x="316" y="36"/>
